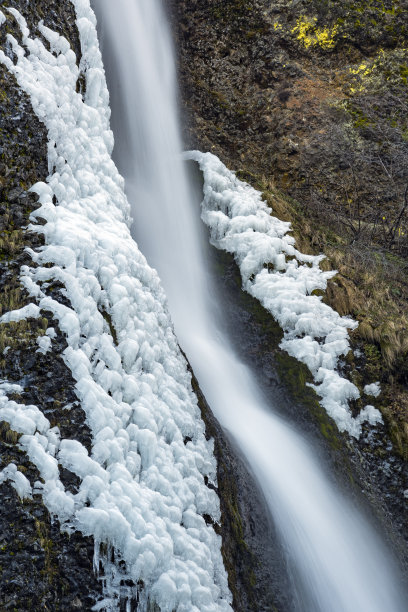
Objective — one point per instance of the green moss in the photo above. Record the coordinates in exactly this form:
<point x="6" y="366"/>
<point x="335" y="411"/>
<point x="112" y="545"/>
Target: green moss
<point x="296" y="377"/>
<point x="220" y="98"/>
<point x="362" y="121"/>
<point x="349" y="26"/>
<point x="318" y="292"/>
<point x="310" y="35"/>
<point x="50" y="570"/>
<point x="403" y="70"/>
<point x="374" y="360"/>
<point x="108" y="319"/>
<point x="237" y="525"/>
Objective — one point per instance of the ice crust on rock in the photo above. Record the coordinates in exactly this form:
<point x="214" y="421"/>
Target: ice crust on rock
<point x="31" y="311"/>
<point x="370" y="414"/>
<point x="241" y="223"/>
<point x="44" y="343"/>
<point x="10" y="387"/>
<point x="17" y="479"/>
<point x="142" y="493"/>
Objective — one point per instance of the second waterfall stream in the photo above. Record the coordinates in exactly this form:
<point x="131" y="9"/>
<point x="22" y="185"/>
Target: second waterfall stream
<point x="339" y="563"/>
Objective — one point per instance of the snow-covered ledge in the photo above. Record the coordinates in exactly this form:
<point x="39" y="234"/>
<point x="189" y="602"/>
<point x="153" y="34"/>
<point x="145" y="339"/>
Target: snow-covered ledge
<point x="142" y="492"/>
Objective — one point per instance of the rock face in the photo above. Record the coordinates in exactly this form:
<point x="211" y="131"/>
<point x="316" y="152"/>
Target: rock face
<point x="259" y="97"/>
<point x="307" y="101"/>
<point x="300" y="92"/>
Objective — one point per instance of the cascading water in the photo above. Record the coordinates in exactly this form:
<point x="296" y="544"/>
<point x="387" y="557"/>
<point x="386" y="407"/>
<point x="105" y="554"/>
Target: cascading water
<point x="339" y="563"/>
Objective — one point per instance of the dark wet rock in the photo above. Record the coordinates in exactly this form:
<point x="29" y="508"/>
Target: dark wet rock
<point x="40" y="567"/>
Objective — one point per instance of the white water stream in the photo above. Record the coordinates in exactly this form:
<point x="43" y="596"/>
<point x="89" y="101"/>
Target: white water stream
<point x="339" y="563"/>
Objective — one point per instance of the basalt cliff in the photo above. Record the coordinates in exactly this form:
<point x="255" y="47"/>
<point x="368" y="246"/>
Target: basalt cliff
<point x="306" y="101"/>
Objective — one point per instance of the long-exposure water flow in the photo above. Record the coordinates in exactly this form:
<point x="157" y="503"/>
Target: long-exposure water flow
<point x="339" y="562"/>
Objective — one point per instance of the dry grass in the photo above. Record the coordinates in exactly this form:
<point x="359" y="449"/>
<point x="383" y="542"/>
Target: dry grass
<point x="396" y="413"/>
<point x="8" y="435"/>
<point x="371" y="287"/>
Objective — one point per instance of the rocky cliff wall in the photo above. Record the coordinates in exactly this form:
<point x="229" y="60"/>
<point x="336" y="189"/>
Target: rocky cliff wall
<point x="307" y="101"/>
<point x="266" y="87"/>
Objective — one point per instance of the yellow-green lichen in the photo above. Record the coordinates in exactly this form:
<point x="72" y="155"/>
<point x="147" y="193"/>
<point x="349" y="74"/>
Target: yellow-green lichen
<point x="310" y="35"/>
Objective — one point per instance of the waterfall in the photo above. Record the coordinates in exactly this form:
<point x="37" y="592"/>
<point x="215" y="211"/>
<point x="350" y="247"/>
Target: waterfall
<point x="339" y="563"/>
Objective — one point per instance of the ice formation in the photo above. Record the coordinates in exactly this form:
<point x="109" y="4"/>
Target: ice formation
<point x="283" y="280"/>
<point x="142" y="492"/>
<point x="45" y="342"/>
<point x="17" y="479"/>
<point x="374" y="389"/>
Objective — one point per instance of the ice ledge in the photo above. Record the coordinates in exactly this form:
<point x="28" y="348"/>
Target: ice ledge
<point x="283" y="280"/>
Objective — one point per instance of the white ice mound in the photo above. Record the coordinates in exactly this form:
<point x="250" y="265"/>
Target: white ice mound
<point x="142" y="492"/>
<point x="283" y="280"/>
<point x="17" y="480"/>
<point x="374" y="389"/>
